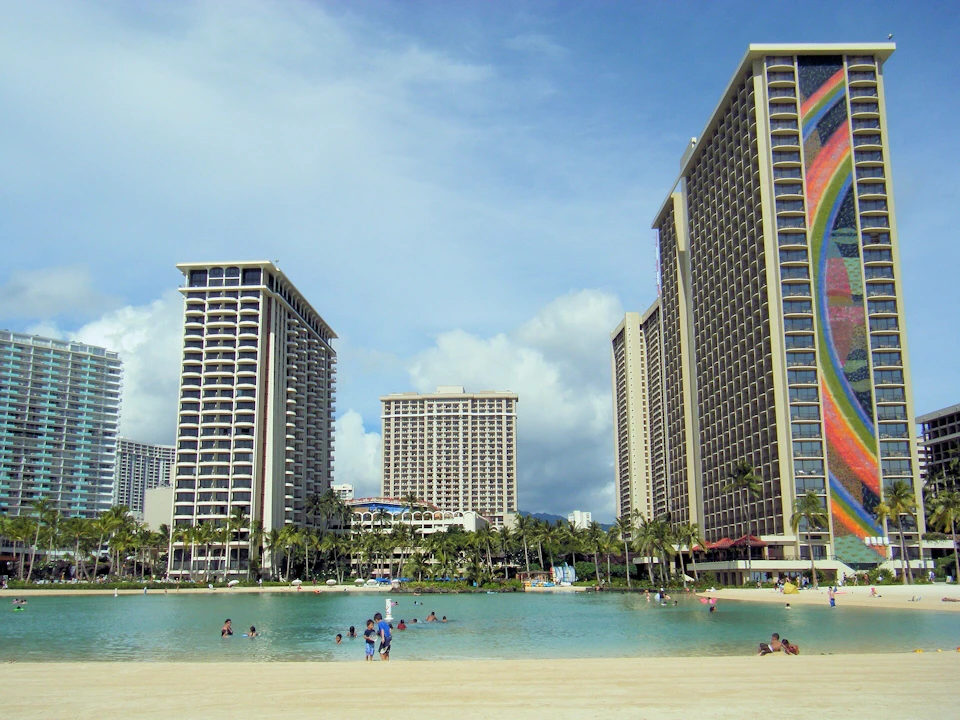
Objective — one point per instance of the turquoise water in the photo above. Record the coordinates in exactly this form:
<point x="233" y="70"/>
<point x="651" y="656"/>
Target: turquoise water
<point x="302" y="626"/>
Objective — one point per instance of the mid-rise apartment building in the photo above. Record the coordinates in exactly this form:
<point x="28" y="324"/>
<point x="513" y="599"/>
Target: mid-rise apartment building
<point x="255" y="424"/>
<point x="940" y="444"/>
<point x="59" y="411"/>
<point x="140" y="467"/>
<point x="580" y="519"/>
<point x="343" y="491"/>
<point x="781" y="307"/>
<point x="453" y="449"/>
<point x="637" y="400"/>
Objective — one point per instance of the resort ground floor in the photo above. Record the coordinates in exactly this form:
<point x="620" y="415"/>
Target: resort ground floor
<point x="634" y="688"/>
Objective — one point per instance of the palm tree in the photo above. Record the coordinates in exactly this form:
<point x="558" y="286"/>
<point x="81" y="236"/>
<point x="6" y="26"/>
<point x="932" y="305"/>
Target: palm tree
<point x="946" y="514"/>
<point x="273" y="543"/>
<point x="688" y="536"/>
<point x="206" y="536"/>
<point x="256" y="541"/>
<point x="44" y="511"/>
<point x="625" y="528"/>
<point x="235" y="523"/>
<point x="523" y="528"/>
<point x="899" y="500"/>
<point x="418" y="565"/>
<point x="20" y="529"/>
<point x="594" y="540"/>
<point x="810" y="512"/>
<point x="744" y="480"/>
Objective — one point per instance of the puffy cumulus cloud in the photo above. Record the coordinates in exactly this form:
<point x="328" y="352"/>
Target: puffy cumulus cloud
<point x="148" y="338"/>
<point x="358" y="455"/>
<point x="47" y="293"/>
<point x="559" y="365"/>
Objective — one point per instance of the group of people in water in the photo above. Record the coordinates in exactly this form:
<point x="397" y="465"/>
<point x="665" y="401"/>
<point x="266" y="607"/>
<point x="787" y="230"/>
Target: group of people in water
<point x="19" y="603"/>
<point x="379" y="629"/>
<point x="777" y="644"/>
<point x="227" y="630"/>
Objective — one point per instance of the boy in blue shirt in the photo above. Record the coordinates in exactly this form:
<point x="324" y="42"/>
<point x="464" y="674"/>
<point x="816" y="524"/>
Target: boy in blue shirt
<point x="383" y="632"/>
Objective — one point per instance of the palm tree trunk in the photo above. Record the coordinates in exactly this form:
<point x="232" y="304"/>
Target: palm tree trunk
<point x="956" y="552"/>
<point x="526" y="553"/>
<point x="33" y="550"/>
<point x="608" y="569"/>
<point x="76" y="560"/>
<point x="626" y="551"/>
<point x="596" y="565"/>
<point x="813" y="567"/>
<point x="904" y="561"/>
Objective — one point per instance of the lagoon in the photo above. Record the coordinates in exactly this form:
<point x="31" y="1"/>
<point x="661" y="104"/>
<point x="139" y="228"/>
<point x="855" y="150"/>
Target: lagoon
<point x="301" y="627"/>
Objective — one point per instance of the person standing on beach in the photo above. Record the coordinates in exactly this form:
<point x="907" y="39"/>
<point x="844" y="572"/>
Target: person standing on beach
<point x="369" y="638"/>
<point x="833" y="597"/>
<point x="384" y="633"/>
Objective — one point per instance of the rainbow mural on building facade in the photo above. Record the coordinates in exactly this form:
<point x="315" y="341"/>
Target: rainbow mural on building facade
<point x="846" y="387"/>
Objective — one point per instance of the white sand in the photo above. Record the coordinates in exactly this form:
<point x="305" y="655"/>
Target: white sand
<point x="891" y="596"/>
<point x="835" y="686"/>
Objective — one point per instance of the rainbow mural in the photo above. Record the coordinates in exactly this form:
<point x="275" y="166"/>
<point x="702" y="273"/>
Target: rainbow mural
<point x="845" y="383"/>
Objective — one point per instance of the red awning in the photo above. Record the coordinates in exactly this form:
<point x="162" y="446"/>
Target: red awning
<point x="721" y="544"/>
<point x="751" y="540"/>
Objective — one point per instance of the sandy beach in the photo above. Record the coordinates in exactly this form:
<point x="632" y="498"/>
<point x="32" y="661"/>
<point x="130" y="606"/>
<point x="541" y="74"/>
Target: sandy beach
<point x="890" y="596"/>
<point x="67" y="590"/>
<point x="874" y="686"/>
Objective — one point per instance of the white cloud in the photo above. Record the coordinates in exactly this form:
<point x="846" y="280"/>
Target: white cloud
<point x="148" y="338"/>
<point x="559" y="365"/>
<point x="52" y="292"/>
<point x="358" y="455"/>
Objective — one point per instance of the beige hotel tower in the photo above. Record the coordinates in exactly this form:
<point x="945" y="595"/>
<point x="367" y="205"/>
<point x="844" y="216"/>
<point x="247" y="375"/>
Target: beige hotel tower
<point x="255" y="424"/>
<point x="781" y="314"/>
<point x="453" y="449"/>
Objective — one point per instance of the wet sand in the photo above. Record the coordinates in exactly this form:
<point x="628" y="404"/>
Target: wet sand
<point x="891" y="596"/>
<point x="873" y="686"/>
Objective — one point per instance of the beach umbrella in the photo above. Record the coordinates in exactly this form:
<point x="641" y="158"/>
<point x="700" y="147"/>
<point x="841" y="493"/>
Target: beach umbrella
<point x="297" y="582"/>
<point x="358" y="581"/>
<point x="232" y="583"/>
<point x="331" y="581"/>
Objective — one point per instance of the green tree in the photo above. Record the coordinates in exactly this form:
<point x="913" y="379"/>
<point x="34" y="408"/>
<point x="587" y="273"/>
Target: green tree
<point x="44" y="511"/>
<point x="810" y="515"/>
<point x="625" y="528"/>
<point x="688" y="537"/>
<point x="899" y="502"/>
<point x="946" y="514"/>
<point x="744" y="482"/>
<point x="524" y="527"/>
<point x="594" y="541"/>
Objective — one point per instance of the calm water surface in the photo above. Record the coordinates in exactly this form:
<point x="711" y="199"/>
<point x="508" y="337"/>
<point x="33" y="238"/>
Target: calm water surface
<point x="302" y="626"/>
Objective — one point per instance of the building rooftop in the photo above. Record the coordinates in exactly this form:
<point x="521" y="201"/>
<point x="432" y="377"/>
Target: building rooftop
<point x="54" y="344"/>
<point x="881" y="51"/>
<point x="936" y="414"/>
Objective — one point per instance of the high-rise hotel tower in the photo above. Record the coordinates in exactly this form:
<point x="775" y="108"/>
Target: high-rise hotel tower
<point x="255" y="430"/>
<point x="781" y="307"/>
<point x="453" y="449"/>
<point x="59" y="410"/>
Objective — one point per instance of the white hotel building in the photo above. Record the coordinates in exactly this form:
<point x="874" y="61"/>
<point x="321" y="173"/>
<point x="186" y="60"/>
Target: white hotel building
<point x="255" y="427"/>
<point x="453" y="449"/>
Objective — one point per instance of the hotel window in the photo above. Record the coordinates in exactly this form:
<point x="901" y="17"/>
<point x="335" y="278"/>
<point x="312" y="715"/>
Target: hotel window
<point x="896" y="467"/>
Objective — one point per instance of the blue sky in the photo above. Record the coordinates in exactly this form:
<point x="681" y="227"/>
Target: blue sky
<point x="463" y="190"/>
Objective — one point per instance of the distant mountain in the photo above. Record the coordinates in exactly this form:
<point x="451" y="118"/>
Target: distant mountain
<point x="553" y="518"/>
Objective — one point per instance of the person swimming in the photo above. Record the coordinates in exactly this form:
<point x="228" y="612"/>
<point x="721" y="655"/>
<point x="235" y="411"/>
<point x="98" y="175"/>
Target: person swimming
<point x="444" y="619"/>
<point x="713" y="608"/>
<point x="252" y="633"/>
<point x="402" y="625"/>
<point x="227" y="629"/>
<point x="352" y="632"/>
<point x="432" y="617"/>
<point x="339" y="638"/>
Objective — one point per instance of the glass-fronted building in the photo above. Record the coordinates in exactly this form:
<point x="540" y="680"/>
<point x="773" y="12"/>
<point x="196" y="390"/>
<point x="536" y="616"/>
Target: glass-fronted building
<point x="59" y="410"/>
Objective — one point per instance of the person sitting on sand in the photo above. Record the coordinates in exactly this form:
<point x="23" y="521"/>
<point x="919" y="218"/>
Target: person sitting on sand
<point x="789" y="649"/>
<point x="873" y="592"/>
<point x="227" y="628"/>
<point x="432" y="617"/>
<point x="402" y="625"/>
<point x="773" y="646"/>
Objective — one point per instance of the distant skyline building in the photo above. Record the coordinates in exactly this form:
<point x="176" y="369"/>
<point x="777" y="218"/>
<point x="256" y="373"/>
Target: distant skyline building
<point x="782" y="313"/>
<point x="452" y="449"/>
<point x="140" y="467"/>
<point x="940" y="440"/>
<point x="255" y="428"/>
<point x="637" y="408"/>
<point x="59" y="411"/>
<point x="343" y="491"/>
<point x="580" y="519"/>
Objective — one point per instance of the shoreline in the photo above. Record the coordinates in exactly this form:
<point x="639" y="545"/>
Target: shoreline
<point x="523" y="689"/>
<point x="314" y="589"/>
<point x="891" y="597"/>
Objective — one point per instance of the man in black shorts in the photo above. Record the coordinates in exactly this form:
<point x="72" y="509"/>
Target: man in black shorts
<point x="383" y="632"/>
